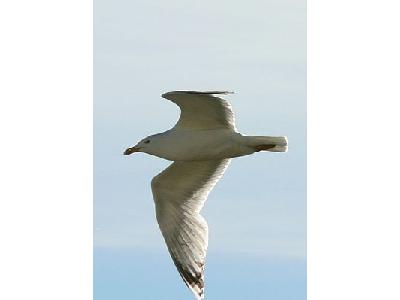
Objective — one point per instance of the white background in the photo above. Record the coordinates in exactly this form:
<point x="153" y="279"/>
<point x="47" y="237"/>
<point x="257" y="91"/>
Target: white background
<point x="46" y="150"/>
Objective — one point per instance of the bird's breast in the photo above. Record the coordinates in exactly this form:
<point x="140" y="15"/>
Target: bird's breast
<point x="193" y="145"/>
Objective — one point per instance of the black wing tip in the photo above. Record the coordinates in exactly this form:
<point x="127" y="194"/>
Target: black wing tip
<point x="193" y="280"/>
<point x="208" y="92"/>
<point x="201" y="92"/>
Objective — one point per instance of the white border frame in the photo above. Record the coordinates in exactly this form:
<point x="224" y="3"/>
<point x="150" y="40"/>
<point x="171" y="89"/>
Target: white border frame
<point x="353" y="150"/>
<point x="46" y="153"/>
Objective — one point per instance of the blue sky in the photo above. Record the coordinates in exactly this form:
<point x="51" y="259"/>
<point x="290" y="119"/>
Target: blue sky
<point x="257" y="212"/>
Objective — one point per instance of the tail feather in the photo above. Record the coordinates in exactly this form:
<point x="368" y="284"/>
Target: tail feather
<point x="268" y="143"/>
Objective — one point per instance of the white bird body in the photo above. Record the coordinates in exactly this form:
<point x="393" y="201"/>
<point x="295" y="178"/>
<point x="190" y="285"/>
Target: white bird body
<point x="201" y="145"/>
<point x="193" y="145"/>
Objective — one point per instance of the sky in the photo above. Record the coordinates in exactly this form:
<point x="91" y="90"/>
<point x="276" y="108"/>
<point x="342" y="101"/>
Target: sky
<point x="257" y="212"/>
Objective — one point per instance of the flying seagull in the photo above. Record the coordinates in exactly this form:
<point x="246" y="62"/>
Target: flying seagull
<point x="201" y="145"/>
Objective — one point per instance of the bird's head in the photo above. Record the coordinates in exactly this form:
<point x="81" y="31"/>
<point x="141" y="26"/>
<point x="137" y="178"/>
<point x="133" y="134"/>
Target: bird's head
<point x="145" y="145"/>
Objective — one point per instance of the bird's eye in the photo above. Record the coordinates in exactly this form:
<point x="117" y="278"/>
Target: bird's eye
<point x="146" y="142"/>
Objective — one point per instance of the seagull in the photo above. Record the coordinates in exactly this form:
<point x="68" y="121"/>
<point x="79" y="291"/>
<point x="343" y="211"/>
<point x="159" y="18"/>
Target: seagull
<point x="201" y="145"/>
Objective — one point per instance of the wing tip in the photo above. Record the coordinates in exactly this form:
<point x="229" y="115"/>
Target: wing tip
<point x="198" y="292"/>
<point x="165" y="95"/>
<point x="208" y="92"/>
<point x="194" y="281"/>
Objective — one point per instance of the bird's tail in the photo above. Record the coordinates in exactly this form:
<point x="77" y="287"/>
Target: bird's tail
<point x="268" y="143"/>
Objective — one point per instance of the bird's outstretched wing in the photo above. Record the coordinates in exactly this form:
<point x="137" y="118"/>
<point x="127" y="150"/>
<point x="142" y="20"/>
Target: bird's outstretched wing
<point x="202" y="110"/>
<point x="179" y="193"/>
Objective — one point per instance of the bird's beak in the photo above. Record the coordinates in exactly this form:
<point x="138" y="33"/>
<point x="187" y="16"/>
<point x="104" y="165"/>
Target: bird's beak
<point x="131" y="150"/>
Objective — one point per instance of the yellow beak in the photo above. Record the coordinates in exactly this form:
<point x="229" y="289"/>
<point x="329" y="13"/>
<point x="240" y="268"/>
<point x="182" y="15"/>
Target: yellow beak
<point x="131" y="150"/>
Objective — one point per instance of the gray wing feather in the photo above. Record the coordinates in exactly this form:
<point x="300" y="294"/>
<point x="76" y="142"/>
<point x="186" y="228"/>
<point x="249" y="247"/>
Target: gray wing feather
<point x="202" y="110"/>
<point x="179" y="193"/>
